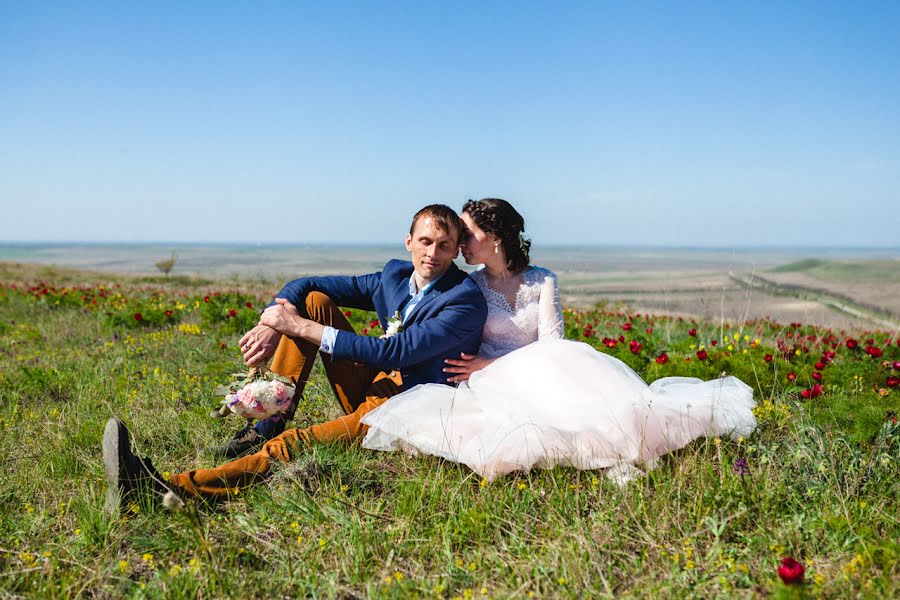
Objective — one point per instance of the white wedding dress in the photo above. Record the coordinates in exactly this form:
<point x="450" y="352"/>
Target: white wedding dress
<point x="548" y="401"/>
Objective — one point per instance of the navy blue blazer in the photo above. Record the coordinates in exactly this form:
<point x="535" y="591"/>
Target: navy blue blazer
<point x="448" y="320"/>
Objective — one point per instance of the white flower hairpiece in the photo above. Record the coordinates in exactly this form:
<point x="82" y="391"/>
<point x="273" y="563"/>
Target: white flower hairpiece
<point x="523" y="242"/>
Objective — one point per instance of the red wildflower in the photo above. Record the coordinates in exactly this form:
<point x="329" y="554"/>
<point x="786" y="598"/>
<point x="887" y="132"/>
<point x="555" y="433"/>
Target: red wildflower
<point x="588" y="332"/>
<point x="622" y="338"/>
<point x="820" y="366"/>
<point x="814" y="392"/>
<point x="851" y="343"/>
<point x="702" y="355"/>
<point x="232" y="312"/>
<point x="817" y="376"/>
<point x="893" y="381"/>
<point x="610" y="343"/>
<point x="348" y="314"/>
<point x="168" y="313"/>
<point x="768" y="358"/>
<point x="206" y="298"/>
<point x="791" y="571"/>
<point x="649" y="330"/>
<point x="714" y="342"/>
<point x="365" y="331"/>
<point x="874" y="352"/>
<point x="248" y="304"/>
<point x="692" y="332"/>
<point x="138" y="317"/>
<point x="896" y="365"/>
<point x="626" y="327"/>
<point x="635" y="347"/>
<point x="662" y="359"/>
<point x="791" y="376"/>
<point x="222" y="345"/>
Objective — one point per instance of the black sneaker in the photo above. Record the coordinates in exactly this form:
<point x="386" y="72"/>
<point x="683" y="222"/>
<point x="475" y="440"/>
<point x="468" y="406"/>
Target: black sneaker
<point x="245" y="441"/>
<point x="127" y="474"/>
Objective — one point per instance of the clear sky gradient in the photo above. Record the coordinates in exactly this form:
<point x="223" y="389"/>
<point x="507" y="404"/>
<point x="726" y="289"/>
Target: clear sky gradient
<point x="678" y="123"/>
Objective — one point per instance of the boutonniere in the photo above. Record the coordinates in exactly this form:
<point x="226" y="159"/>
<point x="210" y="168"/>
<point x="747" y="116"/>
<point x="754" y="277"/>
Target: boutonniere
<point x="395" y="325"/>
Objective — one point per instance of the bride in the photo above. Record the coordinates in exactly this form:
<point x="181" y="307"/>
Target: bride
<point x="533" y="399"/>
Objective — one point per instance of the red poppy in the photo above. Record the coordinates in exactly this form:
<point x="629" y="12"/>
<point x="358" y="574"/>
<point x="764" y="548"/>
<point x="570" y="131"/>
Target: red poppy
<point x="768" y="358"/>
<point x="649" y="330"/>
<point x="348" y="314"/>
<point x="692" y="332"/>
<point x="714" y="342"/>
<point x="365" y="331"/>
<point x="874" y="352"/>
<point x="610" y="343"/>
<point x="635" y="347"/>
<point x="662" y="359"/>
<point x="702" y="355"/>
<point x="896" y="365"/>
<point x="791" y="571"/>
<point x="622" y="338"/>
<point x="232" y="312"/>
<point x="817" y="376"/>
<point x="791" y="376"/>
<point x="814" y="392"/>
<point x="206" y="298"/>
<point x="588" y="332"/>
<point x="851" y="343"/>
<point x="820" y="366"/>
<point x="893" y="381"/>
<point x="168" y="313"/>
<point x="626" y="327"/>
<point x="138" y="317"/>
<point x="374" y="323"/>
<point x="248" y="304"/>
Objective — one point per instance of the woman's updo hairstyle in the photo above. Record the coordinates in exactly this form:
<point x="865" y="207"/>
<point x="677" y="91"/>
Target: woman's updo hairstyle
<point x="498" y="217"/>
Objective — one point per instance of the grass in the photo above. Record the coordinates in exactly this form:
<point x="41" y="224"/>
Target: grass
<point x="343" y="522"/>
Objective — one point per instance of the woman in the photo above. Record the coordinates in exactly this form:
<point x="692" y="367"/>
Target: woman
<point x="532" y="399"/>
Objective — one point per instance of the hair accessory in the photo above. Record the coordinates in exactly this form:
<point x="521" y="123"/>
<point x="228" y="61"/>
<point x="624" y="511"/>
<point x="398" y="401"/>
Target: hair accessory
<point x="523" y="242"/>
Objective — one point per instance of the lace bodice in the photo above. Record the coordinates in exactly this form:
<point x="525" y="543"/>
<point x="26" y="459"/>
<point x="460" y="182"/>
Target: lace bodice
<point x="537" y="313"/>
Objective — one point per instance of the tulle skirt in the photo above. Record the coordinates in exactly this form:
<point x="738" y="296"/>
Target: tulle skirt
<point x="559" y="402"/>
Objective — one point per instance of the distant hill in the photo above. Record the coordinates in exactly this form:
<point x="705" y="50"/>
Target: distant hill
<point x="880" y="270"/>
<point x="800" y="265"/>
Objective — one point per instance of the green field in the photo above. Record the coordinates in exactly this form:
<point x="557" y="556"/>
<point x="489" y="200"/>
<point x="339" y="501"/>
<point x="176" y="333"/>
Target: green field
<point x="343" y="522"/>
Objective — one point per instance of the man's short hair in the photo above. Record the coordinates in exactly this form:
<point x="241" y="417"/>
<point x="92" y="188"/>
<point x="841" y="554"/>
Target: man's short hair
<point x="444" y="218"/>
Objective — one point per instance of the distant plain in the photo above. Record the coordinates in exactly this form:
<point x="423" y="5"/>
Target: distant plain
<point x="832" y="287"/>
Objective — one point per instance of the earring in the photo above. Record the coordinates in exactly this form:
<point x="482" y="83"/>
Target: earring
<point x="496" y="248"/>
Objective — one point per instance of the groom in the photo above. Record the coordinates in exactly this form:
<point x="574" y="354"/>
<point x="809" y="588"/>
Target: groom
<point x="442" y="313"/>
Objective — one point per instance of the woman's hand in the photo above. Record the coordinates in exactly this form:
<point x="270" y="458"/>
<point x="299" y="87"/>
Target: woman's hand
<point x="464" y="366"/>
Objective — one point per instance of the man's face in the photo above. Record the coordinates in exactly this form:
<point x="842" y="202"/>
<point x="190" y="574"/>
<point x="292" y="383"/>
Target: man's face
<point x="433" y="249"/>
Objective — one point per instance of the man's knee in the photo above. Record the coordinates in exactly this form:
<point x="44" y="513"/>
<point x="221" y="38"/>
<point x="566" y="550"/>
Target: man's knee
<point x="318" y="305"/>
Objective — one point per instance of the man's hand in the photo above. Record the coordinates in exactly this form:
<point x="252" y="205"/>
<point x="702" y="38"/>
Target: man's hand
<point x="464" y="366"/>
<point x="283" y="317"/>
<point x="259" y="343"/>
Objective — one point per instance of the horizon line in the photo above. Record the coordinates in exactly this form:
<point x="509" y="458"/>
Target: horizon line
<point x="391" y="244"/>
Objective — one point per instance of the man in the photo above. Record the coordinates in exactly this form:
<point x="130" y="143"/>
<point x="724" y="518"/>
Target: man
<point x="442" y="312"/>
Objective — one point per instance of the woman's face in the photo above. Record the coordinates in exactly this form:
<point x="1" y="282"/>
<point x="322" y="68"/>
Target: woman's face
<point x="476" y="245"/>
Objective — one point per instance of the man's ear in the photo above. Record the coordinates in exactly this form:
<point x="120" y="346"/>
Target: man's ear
<point x="409" y="242"/>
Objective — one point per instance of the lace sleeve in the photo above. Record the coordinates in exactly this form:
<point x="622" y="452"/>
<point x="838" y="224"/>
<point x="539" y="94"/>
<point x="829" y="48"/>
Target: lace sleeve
<point x="550" y="319"/>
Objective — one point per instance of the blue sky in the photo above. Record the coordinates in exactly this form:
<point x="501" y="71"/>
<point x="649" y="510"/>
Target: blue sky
<point x="685" y="123"/>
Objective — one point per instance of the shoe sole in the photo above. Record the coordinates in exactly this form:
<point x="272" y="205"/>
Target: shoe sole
<point x="114" y="435"/>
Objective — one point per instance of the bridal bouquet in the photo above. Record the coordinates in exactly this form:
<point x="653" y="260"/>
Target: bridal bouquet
<point x="257" y="394"/>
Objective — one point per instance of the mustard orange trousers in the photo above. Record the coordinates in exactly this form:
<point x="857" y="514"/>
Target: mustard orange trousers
<point x="358" y="387"/>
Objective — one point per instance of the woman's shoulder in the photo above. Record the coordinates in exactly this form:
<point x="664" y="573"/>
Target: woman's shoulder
<point x="534" y="274"/>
